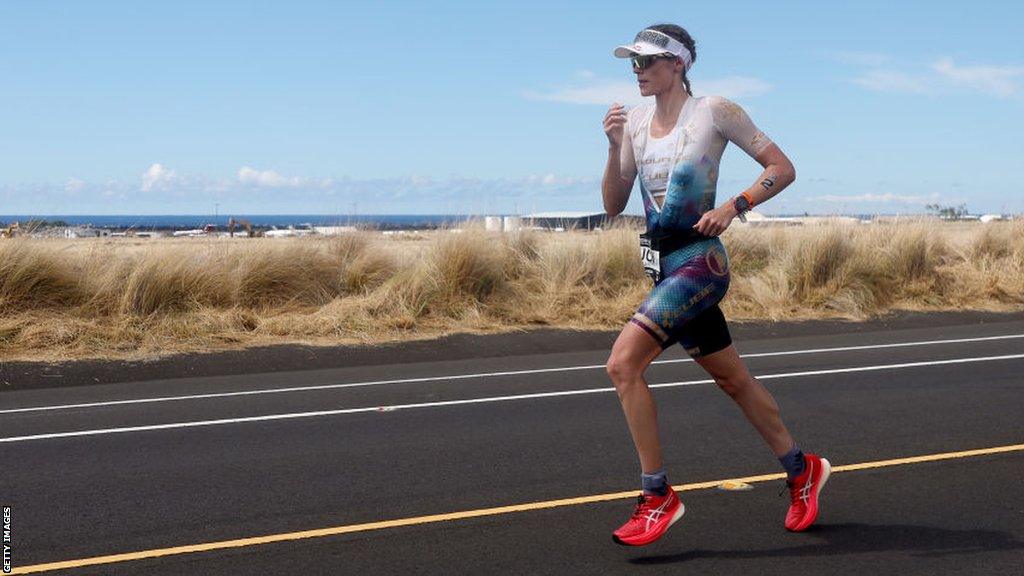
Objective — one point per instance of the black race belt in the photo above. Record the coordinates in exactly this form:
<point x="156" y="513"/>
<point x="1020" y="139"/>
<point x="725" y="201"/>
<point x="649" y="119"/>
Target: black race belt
<point x="655" y="245"/>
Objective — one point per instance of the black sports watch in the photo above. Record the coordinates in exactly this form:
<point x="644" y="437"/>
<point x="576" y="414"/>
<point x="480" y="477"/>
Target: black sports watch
<point x="742" y="205"/>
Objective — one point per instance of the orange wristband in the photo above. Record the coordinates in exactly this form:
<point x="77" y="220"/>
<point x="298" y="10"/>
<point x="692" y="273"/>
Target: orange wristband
<point x="749" y="198"/>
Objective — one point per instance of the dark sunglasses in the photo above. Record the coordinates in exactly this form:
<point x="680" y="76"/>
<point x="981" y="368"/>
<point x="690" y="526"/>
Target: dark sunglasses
<point x="643" y="61"/>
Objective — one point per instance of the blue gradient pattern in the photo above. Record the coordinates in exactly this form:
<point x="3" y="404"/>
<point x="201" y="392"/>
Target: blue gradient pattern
<point x="690" y="193"/>
<point x="694" y="277"/>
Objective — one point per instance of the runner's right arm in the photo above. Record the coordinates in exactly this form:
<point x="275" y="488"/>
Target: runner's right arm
<point x="620" y="171"/>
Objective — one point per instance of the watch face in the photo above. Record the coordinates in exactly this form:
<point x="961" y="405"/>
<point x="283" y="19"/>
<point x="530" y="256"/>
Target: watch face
<point x="741" y="203"/>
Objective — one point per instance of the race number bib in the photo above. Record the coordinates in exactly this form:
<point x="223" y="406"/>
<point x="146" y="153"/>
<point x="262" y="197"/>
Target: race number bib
<point x="650" y="259"/>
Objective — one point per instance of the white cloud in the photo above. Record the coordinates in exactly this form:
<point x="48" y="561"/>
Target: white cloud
<point x="256" y="191"/>
<point x="217" y="184"/>
<point x="270" y="179"/>
<point x="940" y="76"/>
<point x="887" y="198"/>
<point x="156" y="177"/>
<point x="893" y="81"/>
<point x="264" y="178"/>
<point x="592" y="90"/>
<point x="549" y="180"/>
<point x="74" y="185"/>
<point x="999" y="81"/>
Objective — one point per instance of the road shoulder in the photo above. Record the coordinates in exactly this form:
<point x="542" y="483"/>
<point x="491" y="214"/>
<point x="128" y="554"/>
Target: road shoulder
<point x="280" y="358"/>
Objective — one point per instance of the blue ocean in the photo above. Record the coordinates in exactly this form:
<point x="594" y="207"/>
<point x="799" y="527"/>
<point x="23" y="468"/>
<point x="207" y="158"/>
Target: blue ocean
<point x="190" y="221"/>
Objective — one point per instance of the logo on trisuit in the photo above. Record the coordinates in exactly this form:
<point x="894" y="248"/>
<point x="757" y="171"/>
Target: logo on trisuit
<point x="716" y="262"/>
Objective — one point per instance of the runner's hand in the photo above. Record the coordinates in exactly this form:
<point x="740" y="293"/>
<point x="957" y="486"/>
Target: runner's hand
<point x="714" y="222"/>
<point x="614" y="124"/>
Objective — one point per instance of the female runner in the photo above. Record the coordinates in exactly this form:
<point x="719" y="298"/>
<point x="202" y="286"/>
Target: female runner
<point x="675" y="145"/>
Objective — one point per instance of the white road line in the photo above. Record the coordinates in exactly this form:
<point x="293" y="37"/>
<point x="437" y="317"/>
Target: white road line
<point x="481" y="400"/>
<point x="485" y="375"/>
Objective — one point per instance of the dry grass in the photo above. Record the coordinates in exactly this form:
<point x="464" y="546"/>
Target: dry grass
<point x="118" y="298"/>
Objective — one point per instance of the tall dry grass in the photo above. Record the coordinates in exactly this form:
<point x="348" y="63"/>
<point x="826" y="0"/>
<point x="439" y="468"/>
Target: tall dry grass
<point x="115" y="298"/>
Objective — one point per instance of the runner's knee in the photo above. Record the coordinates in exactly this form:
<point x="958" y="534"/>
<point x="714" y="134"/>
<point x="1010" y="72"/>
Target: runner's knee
<point x="733" y="385"/>
<point x="623" y="370"/>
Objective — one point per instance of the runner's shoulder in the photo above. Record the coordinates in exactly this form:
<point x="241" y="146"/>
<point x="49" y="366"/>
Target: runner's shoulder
<point x="722" y="108"/>
<point x="716" y="100"/>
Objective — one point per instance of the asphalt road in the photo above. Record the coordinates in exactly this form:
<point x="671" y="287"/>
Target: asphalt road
<point x="147" y="466"/>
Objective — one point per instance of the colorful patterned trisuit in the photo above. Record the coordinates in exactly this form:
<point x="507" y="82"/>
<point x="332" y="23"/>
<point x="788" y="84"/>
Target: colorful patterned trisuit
<point x="682" y="168"/>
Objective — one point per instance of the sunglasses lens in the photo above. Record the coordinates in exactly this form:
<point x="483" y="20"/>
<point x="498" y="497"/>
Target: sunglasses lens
<point x="640" y="62"/>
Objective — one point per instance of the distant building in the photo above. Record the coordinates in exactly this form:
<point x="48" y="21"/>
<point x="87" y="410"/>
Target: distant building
<point x="758" y="219"/>
<point x="577" y="220"/>
<point x="193" y="232"/>
<point x="288" y="232"/>
<point x="85" y="232"/>
<point x="992" y="217"/>
<point x="334" y="230"/>
<point x="829" y="220"/>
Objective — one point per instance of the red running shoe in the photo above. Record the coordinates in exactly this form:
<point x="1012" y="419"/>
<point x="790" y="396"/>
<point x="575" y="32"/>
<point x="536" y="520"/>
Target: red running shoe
<point x="651" y="518"/>
<point x="804" y="491"/>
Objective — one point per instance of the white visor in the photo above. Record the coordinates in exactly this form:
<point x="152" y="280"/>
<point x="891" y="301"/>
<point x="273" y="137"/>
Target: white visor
<point x="650" y="42"/>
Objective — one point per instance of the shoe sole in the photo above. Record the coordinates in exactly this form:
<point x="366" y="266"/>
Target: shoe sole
<point x="812" y="508"/>
<point x="675" y="517"/>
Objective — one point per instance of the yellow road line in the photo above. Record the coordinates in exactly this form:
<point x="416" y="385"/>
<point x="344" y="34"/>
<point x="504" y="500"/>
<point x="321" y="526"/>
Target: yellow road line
<point x="334" y="530"/>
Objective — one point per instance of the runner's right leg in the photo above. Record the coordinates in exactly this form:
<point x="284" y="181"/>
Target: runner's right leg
<point x="756" y="402"/>
<point x="632" y="352"/>
<point x="696" y="278"/>
<point x="658" y="509"/>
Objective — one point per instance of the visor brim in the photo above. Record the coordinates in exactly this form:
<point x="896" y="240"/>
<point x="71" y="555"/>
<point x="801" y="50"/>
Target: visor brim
<point x="640" y="48"/>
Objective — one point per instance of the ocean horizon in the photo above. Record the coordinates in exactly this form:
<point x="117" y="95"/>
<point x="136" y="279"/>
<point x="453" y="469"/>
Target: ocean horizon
<point x="189" y="221"/>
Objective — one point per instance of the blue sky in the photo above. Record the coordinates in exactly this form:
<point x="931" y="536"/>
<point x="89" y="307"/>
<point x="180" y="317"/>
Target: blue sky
<point x="479" y="107"/>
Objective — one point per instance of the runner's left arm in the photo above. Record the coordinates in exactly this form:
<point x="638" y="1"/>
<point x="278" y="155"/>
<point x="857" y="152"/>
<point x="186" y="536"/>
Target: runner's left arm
<point x="735" y="125"/>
